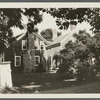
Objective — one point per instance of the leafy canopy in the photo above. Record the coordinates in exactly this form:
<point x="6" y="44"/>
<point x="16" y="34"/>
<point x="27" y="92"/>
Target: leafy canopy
<point x="13" y="17"/>
<point x="66" y="16"/>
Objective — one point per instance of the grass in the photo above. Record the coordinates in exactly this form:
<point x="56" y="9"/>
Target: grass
<point x="38" y="83"/>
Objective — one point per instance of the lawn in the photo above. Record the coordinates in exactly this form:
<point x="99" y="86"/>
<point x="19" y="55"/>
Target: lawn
<point x="46" y="83"/>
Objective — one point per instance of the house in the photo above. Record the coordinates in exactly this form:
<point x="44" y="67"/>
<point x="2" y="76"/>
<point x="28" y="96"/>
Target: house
<point x="27" y="53"/>
<point x="58" y="44"/>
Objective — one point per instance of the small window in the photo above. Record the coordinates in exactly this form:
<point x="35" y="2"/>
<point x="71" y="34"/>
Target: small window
<point x="37" y="60"/>
<point x="35" y="47"/>
<point x="17" y="61"/>
<point x="37" y="52"/>
<point x="24" y="44"/>
<point x="42" y="47"/>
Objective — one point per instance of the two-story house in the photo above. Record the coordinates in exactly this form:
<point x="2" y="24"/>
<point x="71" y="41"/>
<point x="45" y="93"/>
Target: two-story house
<point x="27" y="53"/>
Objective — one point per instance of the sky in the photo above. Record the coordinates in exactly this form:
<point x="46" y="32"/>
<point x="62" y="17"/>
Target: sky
<point x="49" y="22"/>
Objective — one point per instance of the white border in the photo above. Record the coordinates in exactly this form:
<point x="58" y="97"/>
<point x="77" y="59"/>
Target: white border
<point x="46" y="5"/>
<point x="50" y="4"/>
<point x="50" y="95"/>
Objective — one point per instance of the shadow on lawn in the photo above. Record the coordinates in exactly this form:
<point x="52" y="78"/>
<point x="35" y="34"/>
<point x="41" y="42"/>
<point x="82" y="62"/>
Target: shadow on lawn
<point x="35" y="83"/>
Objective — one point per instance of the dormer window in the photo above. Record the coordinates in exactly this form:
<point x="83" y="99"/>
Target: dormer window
<point x="24" y="44"/>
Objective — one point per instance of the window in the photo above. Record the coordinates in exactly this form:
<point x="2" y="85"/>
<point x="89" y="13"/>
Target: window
<point x="17" y="61"/>
<point x="42" y="47"/>
<point x="24" y="44"/>
<point x="35" y="47"/>
<point x="37" y="60"/>
<point x="2" y="57"/>
<point x="37" y="52"/>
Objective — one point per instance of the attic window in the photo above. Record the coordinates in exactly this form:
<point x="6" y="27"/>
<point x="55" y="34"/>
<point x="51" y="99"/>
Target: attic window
<point x="35" y="47"/>
<point x="24" y="44"/>
<point x="42" y="47"/>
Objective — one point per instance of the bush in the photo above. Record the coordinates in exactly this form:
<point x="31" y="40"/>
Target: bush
<point x="65" y="71"/>
<point x="83" y="55"/>
<point x="85" y="71"/>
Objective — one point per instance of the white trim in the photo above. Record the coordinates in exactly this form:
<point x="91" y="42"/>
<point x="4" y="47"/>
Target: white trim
<point x="15" y="61"/>
<point x="38" y="60"/>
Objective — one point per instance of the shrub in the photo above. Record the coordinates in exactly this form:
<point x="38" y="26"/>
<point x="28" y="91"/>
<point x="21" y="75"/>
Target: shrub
<point x="85" y="72"/>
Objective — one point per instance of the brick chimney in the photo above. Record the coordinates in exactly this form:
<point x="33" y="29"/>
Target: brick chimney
<point x="72" y="26"/>
<point x="54" y="31"/>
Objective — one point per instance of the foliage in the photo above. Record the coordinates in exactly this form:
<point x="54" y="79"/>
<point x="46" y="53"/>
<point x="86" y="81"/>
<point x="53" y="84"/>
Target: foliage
<point x="34" y="17"/>
<point x="13" y="18"/>
<point x="81" y="57"/>
<point x="66" y="16"/>
<point x="47" y="34"/>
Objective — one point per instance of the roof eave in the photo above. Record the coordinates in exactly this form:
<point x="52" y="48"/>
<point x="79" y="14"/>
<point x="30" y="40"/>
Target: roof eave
<point x="53" y="45"/>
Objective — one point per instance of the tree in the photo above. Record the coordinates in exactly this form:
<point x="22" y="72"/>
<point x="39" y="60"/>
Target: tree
<point x="34" y="17"/>
<point x="13" y="17"/>
<point x="66" y="16"/>
<point x="8" y="19"/>
<point x="78" y="56"/>
<point x="47" y="34"/>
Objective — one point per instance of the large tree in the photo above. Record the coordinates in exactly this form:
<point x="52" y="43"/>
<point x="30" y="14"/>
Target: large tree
<point x="13" y="18"/>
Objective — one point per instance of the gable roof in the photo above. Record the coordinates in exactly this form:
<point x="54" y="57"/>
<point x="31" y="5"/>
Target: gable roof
<point x="20" y="36"/>
<point x="34" y="34"/>
<point x="58" y="40"/>
<point x="41" y="38"/>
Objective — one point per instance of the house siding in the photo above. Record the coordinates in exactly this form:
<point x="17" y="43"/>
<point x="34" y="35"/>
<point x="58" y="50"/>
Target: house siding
<point x="28" y="56"/>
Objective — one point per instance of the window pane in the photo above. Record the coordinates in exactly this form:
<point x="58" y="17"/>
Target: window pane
<point x="41" y="47"/>
<point x="17" y="61"/>
<point x="37" y="60"/>
<point x="24" y="44"/>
